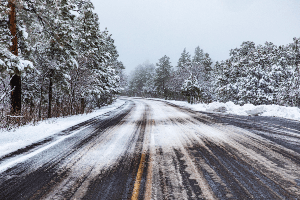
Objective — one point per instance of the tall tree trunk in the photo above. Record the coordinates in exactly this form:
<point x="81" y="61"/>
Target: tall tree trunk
<point x="41" y="98"/>
<point x="73" y="106"/>
<point x="13" y="27"/>
<point x="40" y="103"/>
<point x="15" y="82"/>
<point x="50" y="94"/>
<point x="163" y="88"/>
<point x="82" y="104"/>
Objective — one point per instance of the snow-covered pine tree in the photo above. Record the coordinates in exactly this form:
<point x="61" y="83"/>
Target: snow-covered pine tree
<point x="223" y="78"/>
<point x="184" y="60"/>
<point x="87" y="37"/>
<point x="71" y="56"/>
<point x="289" y="90"/>
<point x="198" y="56"/>
<point x="181" y="73"/>
<point x="163" y="72"/>
<point x="141" y="81"/>
<point x="49" y="44"/>
<point x="230" y="84"/>
<point x="174" y="84"/>
<point x="6" y="56"/>
<point x="197" y="68"/>
<point x="260" y="62"/>
<point x="62" y="50"/>
<point x="119" y="71"/>
<point x="106" y="69"/>
<point x="11" y="59"/>
<point x="253" y="74"/>
<point x="149" y="88"/>
<point x="136" y="81"/>
<point x="191" y="89"/>
<point x="207" y="79"/>
<point x="207" y="64"/>
<point x="201" y="68"/>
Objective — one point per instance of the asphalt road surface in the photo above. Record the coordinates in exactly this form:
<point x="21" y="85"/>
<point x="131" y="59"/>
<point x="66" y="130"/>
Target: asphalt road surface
<point x="148" y="149"/>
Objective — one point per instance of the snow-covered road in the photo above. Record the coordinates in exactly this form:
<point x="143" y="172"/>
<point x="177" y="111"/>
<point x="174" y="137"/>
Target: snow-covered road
<point x="150" y="149"/>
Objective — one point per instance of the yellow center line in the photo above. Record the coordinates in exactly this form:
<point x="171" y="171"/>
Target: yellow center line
<point x="138" y="179"/>
<point x="150" y="138"/>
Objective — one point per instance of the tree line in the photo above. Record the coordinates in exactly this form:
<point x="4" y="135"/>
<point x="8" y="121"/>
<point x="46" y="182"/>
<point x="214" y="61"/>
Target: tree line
<point x="54" y="60"/>
<point x="262" y="74"/>
<point x="256" y="74"/>
<point x="181" y="83"/>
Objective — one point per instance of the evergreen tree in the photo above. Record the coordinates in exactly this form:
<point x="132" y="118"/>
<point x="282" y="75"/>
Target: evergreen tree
<point x="149" y="86"/>
<point x="185" y="59"/>
<point x="289" y="65"/>
<point x="230" y="84"/>
<point x="198" y="56"/>
<point x="142" y="80"/>
<point x="163" y="71"/>
<point x="254" y="74"/>
<point x="191" y="89"/>
<point x="73" y="60"/>
<point x="11" y="60"/>
<point x="201" y="68"/>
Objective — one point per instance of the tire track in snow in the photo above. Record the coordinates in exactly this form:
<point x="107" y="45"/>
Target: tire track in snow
<point x="235" y="162"/>
<point x="34" y="177"/>
<point x="121" y="178"/>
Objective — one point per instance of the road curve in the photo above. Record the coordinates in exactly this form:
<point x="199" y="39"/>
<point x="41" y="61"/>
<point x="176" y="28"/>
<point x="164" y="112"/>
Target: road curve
<point x="149" y="149"/>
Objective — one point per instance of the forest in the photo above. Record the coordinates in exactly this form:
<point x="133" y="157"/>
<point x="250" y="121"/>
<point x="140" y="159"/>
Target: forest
<point x="253" y="74"/>
<point x="54" y="60"/>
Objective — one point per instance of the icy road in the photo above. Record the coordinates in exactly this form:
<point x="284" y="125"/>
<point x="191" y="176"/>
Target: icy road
<point x="149" y="149"/>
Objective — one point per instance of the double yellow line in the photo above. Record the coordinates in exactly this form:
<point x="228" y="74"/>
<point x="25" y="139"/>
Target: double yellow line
<point x="138" y="179"/>
<point x="137" y="184"/>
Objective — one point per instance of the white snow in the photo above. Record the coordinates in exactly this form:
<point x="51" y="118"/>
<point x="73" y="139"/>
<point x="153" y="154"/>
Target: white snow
<point x="9" y="164"/>
<point x="247" y="109"/>
<point x="74" y="13"/>
<point x="25" y="64"/>
<point x="13" y="140"/>
<point x="24" y="32"/>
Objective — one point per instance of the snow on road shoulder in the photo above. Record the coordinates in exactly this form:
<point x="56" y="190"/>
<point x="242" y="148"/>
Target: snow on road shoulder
<point x="13" y="140"/>
<point x="247" y="109"/>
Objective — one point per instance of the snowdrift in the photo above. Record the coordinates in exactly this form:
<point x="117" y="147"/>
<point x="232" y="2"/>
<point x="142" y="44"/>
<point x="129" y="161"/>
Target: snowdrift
<point x="247" y="109"/>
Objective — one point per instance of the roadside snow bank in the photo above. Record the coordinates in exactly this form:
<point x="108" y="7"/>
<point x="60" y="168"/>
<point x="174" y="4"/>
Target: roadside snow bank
<point x="13" y="140"/>
<point x="247" y="109"/>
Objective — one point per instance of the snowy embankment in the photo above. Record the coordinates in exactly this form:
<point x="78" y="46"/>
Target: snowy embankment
<point x="247" y="109"/>
<point x="15" y="139"/>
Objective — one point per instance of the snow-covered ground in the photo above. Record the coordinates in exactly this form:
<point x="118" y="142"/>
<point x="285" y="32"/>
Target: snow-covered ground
<point x="247" y="109"/>
<point x="26" y="135"/>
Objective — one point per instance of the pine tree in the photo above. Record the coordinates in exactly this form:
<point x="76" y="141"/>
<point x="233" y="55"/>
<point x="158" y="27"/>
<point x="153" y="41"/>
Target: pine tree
<point x="197" y="67"/>
<point x="11" y="59"/>
<point x="163" y="71"/>
<point x="191" y="89"/>
<point x="230" y="84"/>
<point x="289" y="89"/>
<point x="253" y="74"/>
<point x="5" y="39"/>
<point x="142" y="80"/>
<point x="72" y="57"/>
<point x="184" y="60"/>
<point x="201" y="68"/>
<point x="198" y="56"/>
<point x="149" y="86"/>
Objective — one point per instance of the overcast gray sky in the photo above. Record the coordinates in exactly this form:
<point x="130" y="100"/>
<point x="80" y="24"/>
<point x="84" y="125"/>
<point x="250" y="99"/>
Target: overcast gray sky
<point x="149" y="29"/>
